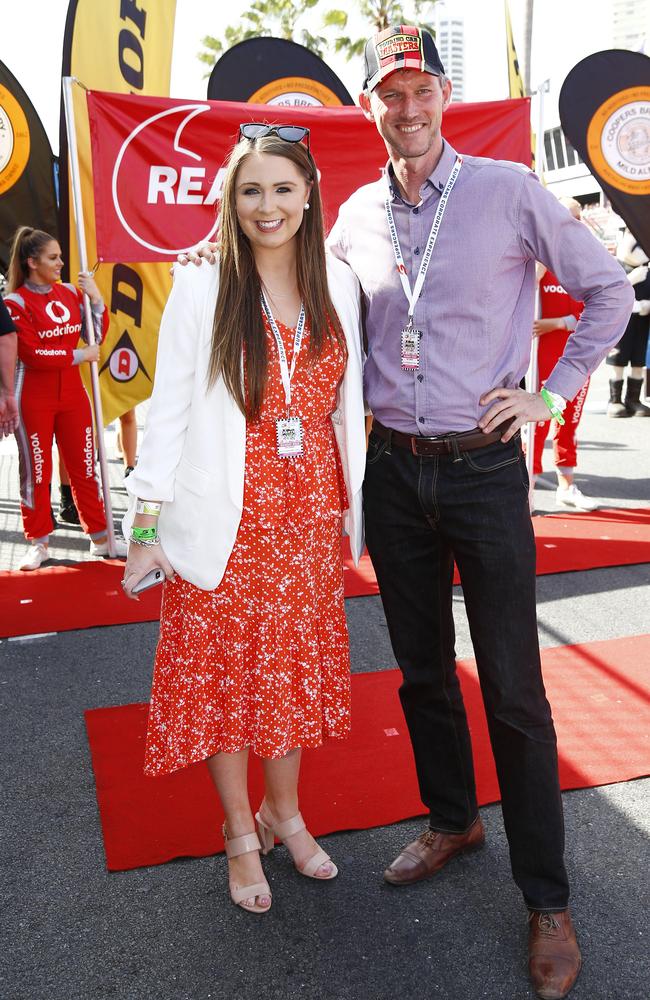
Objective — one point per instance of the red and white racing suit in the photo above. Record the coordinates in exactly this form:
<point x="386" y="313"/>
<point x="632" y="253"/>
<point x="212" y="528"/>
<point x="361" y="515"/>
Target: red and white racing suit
<point x="557" y="304"/>
<point x="52" y="401"/>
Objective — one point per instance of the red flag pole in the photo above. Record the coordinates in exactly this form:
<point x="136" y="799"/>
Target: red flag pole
<point x="532" y="375"/>
<point x="77" y="204"/>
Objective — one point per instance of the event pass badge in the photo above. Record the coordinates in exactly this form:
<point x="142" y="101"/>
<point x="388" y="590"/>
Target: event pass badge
<point x="289" y="437"/>
<point x="411" y="349"/>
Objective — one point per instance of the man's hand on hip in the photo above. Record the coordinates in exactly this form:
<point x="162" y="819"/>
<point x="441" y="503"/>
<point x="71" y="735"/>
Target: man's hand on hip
<point x="512" y="404"/>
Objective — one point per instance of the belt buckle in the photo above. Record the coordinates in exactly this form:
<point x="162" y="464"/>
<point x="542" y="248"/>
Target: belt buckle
<point x="416" y="440"/>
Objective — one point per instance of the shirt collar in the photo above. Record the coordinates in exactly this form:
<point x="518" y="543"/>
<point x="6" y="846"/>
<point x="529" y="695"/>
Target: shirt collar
<point x="435" y="181"/>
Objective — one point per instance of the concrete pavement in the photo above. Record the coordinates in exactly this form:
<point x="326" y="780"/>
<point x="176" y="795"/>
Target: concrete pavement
<point x="71" y="931"/>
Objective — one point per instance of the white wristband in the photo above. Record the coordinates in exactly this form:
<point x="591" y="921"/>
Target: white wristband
<point x="148" y="507"/>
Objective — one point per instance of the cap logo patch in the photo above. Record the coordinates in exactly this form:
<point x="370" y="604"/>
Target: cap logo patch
<point x="397" y="44"/>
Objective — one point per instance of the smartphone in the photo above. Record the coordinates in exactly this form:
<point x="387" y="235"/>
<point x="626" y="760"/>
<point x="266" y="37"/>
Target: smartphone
<point x="151" y="579"/>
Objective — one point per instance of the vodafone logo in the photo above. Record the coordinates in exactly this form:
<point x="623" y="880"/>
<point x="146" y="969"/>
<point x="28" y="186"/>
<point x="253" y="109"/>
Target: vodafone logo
<point x="557" y="289"/>
<point x="57" y="312"/>
<point x="179" y="184"/>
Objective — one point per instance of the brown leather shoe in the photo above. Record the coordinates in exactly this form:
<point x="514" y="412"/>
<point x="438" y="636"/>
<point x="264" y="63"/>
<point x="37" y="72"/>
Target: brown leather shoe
<point x="553" y="954"/>
<point x="431" y="852"/>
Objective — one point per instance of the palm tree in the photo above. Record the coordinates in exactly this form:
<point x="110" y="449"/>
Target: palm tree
<point x="278" y="18"/>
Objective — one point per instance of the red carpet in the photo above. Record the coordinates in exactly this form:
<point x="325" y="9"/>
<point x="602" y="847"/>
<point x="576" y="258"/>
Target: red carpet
<point x="600" y="696"/>
<point x="89" y="594"/>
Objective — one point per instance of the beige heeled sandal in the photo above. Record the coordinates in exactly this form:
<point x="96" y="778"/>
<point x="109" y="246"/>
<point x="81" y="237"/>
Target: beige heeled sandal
<point x="268" y="833"/>
<point x="246" y="845"/>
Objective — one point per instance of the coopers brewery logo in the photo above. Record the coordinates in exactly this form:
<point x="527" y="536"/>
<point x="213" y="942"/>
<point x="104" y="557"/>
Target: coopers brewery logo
<point x="179" y="183"/>
<point x="295" y="92"/>
<point x="14" y="140"/>
<point x="618" y="140"/>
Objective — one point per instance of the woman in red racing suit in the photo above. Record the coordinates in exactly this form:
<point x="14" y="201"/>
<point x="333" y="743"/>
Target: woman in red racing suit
<point x="52" y="401"/>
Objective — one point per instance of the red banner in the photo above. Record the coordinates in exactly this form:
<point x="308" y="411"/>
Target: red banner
<point x="158" y="162"/>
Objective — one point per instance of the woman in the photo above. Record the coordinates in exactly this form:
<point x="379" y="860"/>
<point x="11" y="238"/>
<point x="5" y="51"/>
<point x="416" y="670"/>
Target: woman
<point x="254" y="447"/>
<point x="51" y="397"/>
<point x="559" y="317"/>
<point x="632" y="347"/>
<point x="8" y="407"/>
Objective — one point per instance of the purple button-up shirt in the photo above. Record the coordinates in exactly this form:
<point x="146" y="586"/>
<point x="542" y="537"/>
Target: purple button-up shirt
<point x="476" y="307"/>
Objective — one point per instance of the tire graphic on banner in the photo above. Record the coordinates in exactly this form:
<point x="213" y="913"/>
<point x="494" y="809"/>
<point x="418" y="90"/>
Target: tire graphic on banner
<point x="618" y="140"/>
<point x="14" y="140"/>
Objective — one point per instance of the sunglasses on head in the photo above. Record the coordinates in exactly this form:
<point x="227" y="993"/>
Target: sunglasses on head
<point x="288" y="133"/>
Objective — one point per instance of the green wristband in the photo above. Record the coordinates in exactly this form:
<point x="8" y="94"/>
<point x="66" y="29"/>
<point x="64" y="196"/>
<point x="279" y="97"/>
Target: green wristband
<point x="144" y="534"/>
<point x="548" y="399"/>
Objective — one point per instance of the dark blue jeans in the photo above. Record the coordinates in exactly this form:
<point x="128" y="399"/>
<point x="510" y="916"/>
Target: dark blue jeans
<point x="421" y="515"/>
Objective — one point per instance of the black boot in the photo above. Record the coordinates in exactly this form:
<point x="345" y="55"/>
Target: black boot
<point x="632" y="401"/>
<point x="615" y="407"/>
<point x="67" y="511"/>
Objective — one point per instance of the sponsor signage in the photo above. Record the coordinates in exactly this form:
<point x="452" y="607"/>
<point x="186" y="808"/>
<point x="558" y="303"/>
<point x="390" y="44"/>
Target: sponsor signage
<point x="295" y="92"/>
<point x="605" y="112"/>
<point x="27" y="195"/>
<point x="398" y="45"/>
<point x="158" y="163"/>
<point x="275" y="71"/>
<point x="124" y="46"/>
<point x="14" y="140"/>
<point x="618" y="140"/>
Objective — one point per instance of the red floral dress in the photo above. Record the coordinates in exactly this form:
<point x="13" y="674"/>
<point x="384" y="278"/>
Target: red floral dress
<point x="262" y="661"/>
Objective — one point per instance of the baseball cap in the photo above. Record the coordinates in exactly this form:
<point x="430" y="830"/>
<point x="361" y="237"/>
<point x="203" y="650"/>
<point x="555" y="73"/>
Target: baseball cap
<point x="401" y="47"/>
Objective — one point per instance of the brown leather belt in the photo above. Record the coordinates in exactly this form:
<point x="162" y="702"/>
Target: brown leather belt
<point x="443" y="444"/>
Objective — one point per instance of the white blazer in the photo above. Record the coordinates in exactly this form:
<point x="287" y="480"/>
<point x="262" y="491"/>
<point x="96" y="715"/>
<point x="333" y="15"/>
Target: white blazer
<point x="194" y="446"/>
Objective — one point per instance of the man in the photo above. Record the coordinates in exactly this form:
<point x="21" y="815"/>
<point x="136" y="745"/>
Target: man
<point x="8" y="404"/>
<point x="445" y="476"/>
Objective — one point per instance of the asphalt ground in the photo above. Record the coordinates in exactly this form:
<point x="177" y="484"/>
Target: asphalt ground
<point x="71" y="931"/>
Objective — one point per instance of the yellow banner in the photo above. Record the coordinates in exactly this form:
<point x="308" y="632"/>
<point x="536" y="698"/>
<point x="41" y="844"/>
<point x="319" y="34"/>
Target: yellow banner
<point x="515" y="80"/>
<point x="124" y="46"/>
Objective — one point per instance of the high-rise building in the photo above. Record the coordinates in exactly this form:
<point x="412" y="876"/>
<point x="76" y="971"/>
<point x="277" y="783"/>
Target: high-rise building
<point x="450" y="40"/>
<point x="631" y="25"/>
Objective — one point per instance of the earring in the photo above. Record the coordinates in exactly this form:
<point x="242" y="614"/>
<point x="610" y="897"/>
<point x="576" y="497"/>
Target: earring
<point x="306" y="205"/>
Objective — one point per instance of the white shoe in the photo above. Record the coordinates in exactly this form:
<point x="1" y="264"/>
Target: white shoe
<point x="101" y="551"/>
<point x="572" y="497"/>
<point x="36" y="555"/>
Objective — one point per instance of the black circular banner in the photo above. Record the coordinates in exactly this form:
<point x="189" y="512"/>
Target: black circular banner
<point x="605" y="112"/>
<point x="275" y="71"/>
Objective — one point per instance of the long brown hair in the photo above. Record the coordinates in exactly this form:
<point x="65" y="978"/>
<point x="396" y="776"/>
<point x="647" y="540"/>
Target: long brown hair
<point x="238" y="324"/>
<point x="27" y="242"/>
